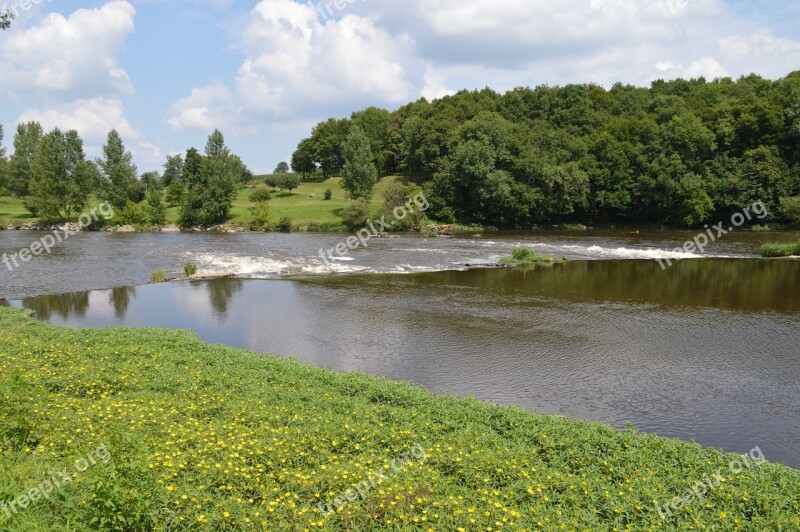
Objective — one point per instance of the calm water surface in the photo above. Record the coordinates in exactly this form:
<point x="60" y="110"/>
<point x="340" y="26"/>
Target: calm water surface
<point x="708" y="349"/>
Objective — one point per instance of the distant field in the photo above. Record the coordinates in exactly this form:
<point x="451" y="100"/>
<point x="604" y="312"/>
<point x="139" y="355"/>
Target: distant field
<point x="302" y="209"/>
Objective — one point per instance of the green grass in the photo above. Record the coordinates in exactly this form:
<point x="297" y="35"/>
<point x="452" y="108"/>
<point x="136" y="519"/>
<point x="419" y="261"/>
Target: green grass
<point x="774" y="249"/>
<point x="207" y="437"/>
<point x="525" y="255"/>
<point x="158" y="276"/>
<point x="303" y="210"/>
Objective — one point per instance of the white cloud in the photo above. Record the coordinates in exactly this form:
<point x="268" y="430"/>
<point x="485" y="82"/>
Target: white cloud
<point x="435" y="86"/>
<point x="66" y="57"/>
<point x="93" y="119"/>
<point x="202" y="110"/>
<point x="296" y="65"/>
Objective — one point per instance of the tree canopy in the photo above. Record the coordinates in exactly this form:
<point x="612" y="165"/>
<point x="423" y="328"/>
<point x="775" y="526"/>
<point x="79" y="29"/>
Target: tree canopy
<point x="680" y="152"/>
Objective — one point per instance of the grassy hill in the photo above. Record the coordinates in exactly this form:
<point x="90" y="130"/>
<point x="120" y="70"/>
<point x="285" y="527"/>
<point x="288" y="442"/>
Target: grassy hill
<point x="205" y="437"/>
<point x="302" y="209"/>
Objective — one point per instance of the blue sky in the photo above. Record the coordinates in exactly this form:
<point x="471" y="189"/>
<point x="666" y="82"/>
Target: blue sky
<point x="165" y="73"/>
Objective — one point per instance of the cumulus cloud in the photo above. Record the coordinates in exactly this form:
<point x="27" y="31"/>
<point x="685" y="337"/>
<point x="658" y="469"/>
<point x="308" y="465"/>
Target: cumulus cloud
<point x="298" y="62"/>
<point x="68" y="56"/>
<point x="93" y="119"/>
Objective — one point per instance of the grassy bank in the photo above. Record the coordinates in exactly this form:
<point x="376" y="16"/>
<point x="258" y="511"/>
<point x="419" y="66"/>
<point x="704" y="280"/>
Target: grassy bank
<point x="305" y="206"/>
<point x="207" y="437"/>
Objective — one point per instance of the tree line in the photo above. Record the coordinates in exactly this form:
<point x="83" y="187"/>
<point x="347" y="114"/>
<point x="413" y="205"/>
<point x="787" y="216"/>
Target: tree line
<point x="680" y="152"/>
<point x="52" y="175"/>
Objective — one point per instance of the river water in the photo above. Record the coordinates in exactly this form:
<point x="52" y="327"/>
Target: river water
<point x="705" y="349"/>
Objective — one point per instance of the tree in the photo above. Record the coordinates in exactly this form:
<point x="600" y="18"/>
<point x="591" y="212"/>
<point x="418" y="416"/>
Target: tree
<point x="151" y="181"/>
<point x="175" y="192"/>
<point x="359" y="174"/>
<point x="62" y="177"/>
<point x="273" y="181"/>
<point x="303" y="158"/>
<point x="211" y="183"/>
<point x="3" y="163"/>
<point x="156" y="212"/>
<point x="289" y="182"/>
<point x="173" y="170"/>
<point x="116" y="165"/>
<point x="26" y="144"/>
<point x="282" y="168"/>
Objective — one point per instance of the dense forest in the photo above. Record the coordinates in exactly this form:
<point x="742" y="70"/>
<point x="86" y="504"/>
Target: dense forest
<point x="677" y="153"/>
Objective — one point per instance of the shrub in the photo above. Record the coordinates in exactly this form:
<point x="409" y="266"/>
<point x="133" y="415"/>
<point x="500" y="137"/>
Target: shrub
<point x="259" y="216"/>
<point x="526" y="255"/>
<point x="356" y="215"/>
<point x="790" y="209"/>
<point x="272" y="181"/>
<point x="260" y="195"/>
<point x="774" y="250"/>
<point x="284" y="225"/>
<point x="288" y="182"/>
<point x="328" y="194"/>
<point x="132" y="214"/>
<point x="189" y="269"/>
<point x="158" y="276"/>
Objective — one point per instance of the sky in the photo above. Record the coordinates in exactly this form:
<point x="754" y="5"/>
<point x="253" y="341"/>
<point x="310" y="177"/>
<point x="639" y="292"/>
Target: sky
<point x="166" y="73"/>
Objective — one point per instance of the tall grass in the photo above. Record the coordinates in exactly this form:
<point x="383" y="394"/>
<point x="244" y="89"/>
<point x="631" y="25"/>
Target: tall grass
<point x="774" y="249"/>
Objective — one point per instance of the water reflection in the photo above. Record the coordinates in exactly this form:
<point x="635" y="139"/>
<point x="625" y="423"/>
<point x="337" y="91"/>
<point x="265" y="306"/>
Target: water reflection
<point x="120" y="298"/>
<point x="64" y="306"/>
<point x="706" y="349"/>
<point x="220" y="294"/>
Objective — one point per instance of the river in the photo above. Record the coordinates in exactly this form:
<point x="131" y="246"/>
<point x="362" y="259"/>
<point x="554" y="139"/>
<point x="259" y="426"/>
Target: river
<point x="707" y="349"/>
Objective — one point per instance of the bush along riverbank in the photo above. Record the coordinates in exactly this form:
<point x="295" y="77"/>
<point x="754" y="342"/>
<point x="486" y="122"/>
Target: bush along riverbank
<point x="205" y="437"/>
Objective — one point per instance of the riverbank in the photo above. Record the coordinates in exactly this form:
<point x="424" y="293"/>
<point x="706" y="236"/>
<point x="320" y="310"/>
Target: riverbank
<point x="205" y="436"/>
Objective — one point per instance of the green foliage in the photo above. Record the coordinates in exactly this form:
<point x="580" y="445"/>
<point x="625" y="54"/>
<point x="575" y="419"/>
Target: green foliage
<point x="328" y="194"/>
<point x="790" y="209"/>
<point x="284" y="225"/>
<point x="5" y="20"/>
<point x="273" y="181"/>
<point x="156" y="210"/>
<point x="211" y="183"/>
<point x="27" y="139"/>
<point x="175" y="192"/>
<point x="677" y="153"/>
<point x="189" y="269"/>
<point x="288" y="182"/>
<point x="259" y="216"/>
<point x="158" y="276"/>
<point x="182" y="418"/>
<point x="260" y="195"/>
<point x="775" y="250"/>
<point x="132" y="214"/>
<point x="525" y="255"/>
<point x="173" y="170"/>
<point x="359" y="174"/>
<point x="282" y="168"/>
<point x="62" y="179"/>
<point x="356" y="215"/>
<point x="120" y="174"/>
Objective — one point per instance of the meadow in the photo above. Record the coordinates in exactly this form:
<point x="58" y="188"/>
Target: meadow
<point x="298" y="205"/>
<point x="206" y="437"/>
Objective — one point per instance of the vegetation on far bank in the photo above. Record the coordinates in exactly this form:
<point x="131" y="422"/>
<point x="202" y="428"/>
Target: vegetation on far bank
<point x="206" y="437"/>
<point x="679" y="153"/>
